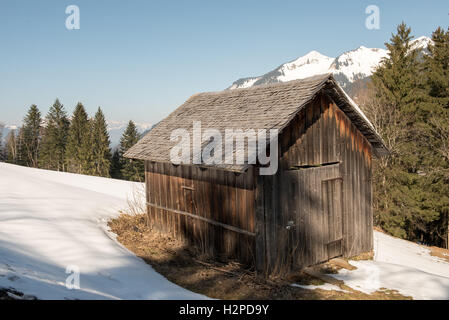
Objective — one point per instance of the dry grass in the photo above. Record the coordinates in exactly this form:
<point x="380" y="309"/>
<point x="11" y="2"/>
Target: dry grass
<point x="439" y="252"/>
<point x="136" y="203"/>
<point x="184" y="266"/>
<point x="363" y="256"/>
<point x="378" y="229"/>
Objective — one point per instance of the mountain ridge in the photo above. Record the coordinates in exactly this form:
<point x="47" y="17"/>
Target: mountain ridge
<point x="349" y="68"/>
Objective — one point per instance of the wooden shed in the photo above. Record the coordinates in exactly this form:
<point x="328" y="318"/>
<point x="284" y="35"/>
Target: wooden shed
<point x="316" y="207"/>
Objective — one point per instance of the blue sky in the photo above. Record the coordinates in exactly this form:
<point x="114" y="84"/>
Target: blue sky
<point x="139" y="60"/>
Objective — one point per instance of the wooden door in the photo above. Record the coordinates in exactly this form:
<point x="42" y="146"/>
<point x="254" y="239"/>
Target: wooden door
<point x="331" y="197"/>
<point x="312" y="214"/>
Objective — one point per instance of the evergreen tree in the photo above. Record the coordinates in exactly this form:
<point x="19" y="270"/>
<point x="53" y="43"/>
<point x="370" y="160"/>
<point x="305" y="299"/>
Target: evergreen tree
<point x="437" y="67"/>
<point x="435" y="110"/>
<point x="100" y="146"/>
<point x="396" y="180"/>
<point x="131" y="169"/>
<point x="79" y="146"/>
<point x="31" y="137"/>
<point x="410" y="191"/>
<point x="87" y="151"/>
<point x="116" y="165"/>
<point x="54" y="139"/>
<point x="396" y="78"/>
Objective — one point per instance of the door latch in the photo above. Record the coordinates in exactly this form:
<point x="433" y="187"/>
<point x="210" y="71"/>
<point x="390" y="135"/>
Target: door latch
<point x="290" y="225"/>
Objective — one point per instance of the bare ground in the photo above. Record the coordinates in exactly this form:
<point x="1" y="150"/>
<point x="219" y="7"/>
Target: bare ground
<point x="190" y="269"/>
<point x="439" y="252"/>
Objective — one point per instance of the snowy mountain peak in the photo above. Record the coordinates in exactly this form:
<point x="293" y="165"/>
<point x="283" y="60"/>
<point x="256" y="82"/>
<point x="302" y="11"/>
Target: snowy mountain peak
<point x="305" y="66"/>
<point x="313" y="55"/>
<point x="357" y="64"/>
<point x="348" y="68"/>
<point x="421" y="43"/>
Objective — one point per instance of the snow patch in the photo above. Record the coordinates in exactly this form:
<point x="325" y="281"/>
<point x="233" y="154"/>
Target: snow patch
<point x="399" y="265"/>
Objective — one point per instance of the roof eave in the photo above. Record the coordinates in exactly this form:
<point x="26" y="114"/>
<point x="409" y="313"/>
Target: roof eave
<point x="364" y="125"/>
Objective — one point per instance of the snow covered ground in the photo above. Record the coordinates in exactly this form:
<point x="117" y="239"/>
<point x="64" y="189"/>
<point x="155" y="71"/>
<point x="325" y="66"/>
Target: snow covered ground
<point x="51" y="221"/>
<point x="400" y="265"/>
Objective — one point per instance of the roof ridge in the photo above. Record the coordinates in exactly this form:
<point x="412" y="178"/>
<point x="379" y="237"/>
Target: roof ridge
<point x="323" y="77"/>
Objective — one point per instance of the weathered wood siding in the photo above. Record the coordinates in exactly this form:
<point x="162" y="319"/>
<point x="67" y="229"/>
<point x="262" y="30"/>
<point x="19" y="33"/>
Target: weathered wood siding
<point x="318" y="205"/>
<point x="212" y="209"/>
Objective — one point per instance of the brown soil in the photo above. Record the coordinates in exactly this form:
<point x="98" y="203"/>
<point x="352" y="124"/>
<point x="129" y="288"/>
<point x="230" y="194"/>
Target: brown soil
<point x="188" y="268"/>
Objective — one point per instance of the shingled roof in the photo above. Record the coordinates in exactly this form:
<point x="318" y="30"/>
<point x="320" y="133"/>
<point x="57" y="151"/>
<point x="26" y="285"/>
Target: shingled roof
<point x="262" y="107"/>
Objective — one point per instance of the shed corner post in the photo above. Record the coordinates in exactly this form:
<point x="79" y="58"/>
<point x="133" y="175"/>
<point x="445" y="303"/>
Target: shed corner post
<point x="260" y="256"/>
<point x="146" y="166"/>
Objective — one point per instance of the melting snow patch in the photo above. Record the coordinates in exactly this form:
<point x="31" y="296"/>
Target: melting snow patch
<point x="402" y="266"/>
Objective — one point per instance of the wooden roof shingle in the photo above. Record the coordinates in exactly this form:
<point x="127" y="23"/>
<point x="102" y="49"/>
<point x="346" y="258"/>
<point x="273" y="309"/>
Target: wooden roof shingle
<point x="262" y="107"/>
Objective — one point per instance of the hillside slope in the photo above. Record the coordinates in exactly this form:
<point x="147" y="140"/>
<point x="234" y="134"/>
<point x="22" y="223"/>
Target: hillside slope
<point x="50" y="221"/>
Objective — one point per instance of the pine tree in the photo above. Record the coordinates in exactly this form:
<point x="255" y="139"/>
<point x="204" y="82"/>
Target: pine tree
<point x="31" y="137"/>
<point x="116" y="165"/>
<point x="435" y="110"/>
<point x="399" y="197"/>
<point x="410" y="186"/>
<point x="131" y="169"/>
<point x="87" y="151"/>
<point x="100" y="146"/>
<point x="79" y="146"/>
<point x="54" y="139"/>
<point x="437" y="63"/>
